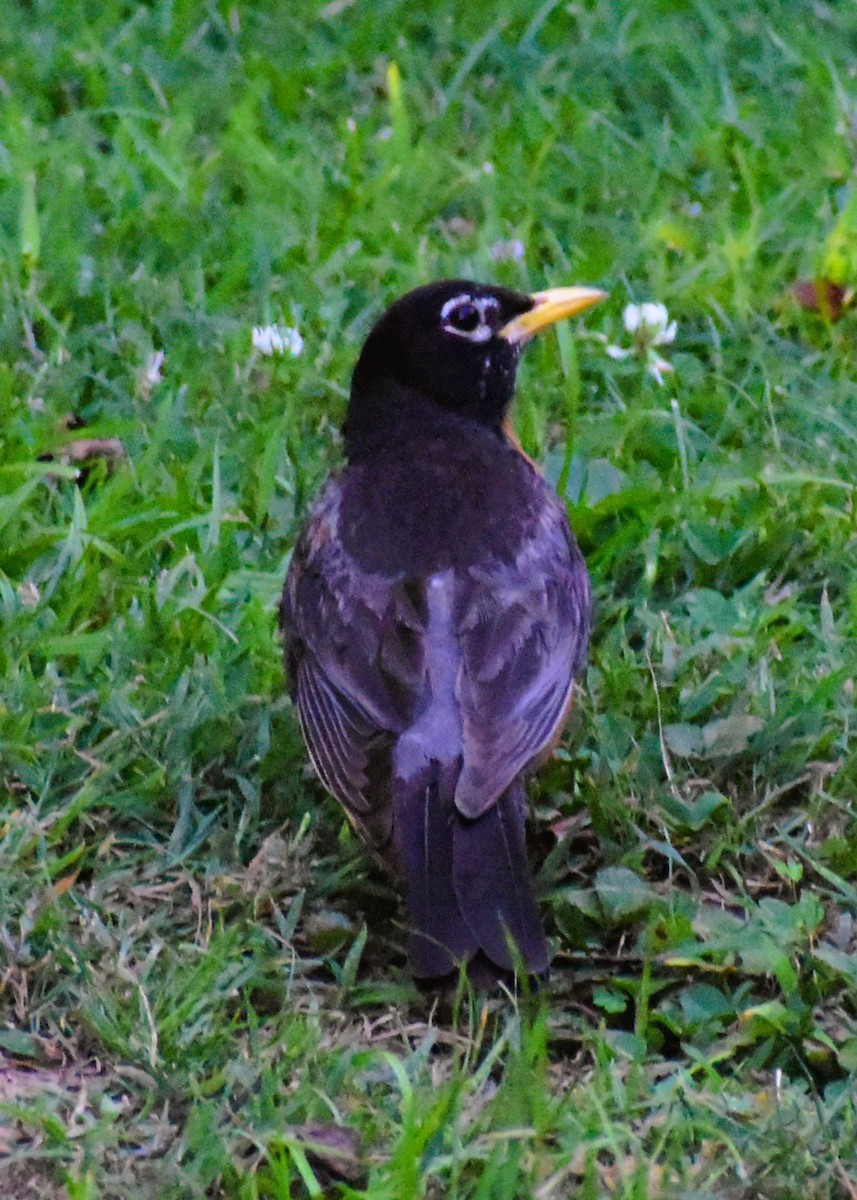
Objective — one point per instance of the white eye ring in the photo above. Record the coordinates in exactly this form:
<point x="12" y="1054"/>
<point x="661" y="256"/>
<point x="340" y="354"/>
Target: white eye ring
<point x="484" y="331"/>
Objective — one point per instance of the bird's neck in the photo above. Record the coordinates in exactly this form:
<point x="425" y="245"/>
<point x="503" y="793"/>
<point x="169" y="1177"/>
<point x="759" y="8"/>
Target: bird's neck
<point x="390" y="413"/>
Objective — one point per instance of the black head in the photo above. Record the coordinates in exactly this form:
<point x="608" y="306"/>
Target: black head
<point x="452" y="345"/>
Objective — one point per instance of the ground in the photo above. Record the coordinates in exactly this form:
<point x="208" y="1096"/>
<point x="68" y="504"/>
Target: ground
<point x="202" y="984"/>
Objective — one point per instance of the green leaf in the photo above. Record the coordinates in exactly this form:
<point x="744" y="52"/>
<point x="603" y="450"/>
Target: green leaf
<point x="626" y="1045"/>
<point x="702" y="1003"/>
<point x="847" y="1055"/>
<point x="695" y="815"/>
<point x="844" y="964"/>
<point x="710" y="612"/>
<point x="16" y="1041"/>
<point x="603" y="479"/>
<point x="622" y="893"/>
<point x="609" y="999"/>
<point x="684" y="739"/>
<point x="730" y="735"/>
<point x="711" y="544"/>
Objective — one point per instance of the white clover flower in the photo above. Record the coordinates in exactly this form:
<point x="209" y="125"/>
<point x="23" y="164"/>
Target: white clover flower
<point x="658" y="367"/>
<point x="507" y="251"/>
<point x="649" y="325"/>
<point x="650" y="322"/>
<point x="295" y="342"/>
<point x="152" y="369"/>
<point x="150" y="374"/>
<point x="277" y="340"/>
<point x="28" y="594"/>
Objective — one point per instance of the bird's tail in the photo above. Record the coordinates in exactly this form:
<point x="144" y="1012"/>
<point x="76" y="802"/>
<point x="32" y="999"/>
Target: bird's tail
<point x="469" y="889"/>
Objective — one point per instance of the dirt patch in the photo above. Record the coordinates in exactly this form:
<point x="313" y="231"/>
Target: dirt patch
<point x="30" y="1181"/>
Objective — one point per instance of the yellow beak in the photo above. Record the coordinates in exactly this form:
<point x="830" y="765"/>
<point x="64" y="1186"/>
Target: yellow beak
<point x="548" y="307"/>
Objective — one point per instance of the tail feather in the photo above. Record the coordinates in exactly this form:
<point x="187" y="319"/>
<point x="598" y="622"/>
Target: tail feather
<point x="440" y="936"/>
<point x="469" y="888"/>
<point x="494" y="886"/>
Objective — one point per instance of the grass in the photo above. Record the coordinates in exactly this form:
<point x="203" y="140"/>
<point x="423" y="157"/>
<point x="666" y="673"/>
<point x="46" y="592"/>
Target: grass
<point x="202" y="987"/>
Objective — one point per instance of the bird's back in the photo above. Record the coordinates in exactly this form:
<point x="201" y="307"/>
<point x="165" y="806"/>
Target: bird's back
<point x="447" y="493"/>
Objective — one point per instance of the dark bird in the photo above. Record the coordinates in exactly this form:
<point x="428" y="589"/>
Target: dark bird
<point x="435" y="614"/>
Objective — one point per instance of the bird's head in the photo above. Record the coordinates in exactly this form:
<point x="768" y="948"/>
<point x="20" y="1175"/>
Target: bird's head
<point x="454" y="345"/>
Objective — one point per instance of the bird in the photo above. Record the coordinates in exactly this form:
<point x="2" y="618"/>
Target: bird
<point x="435" y="615"/>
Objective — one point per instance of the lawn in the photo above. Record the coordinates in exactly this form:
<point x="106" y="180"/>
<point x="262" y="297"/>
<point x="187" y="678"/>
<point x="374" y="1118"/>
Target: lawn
<point x="203" y="990"/>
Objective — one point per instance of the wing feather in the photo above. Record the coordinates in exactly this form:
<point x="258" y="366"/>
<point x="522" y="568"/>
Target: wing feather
<point x="524" y="627"/>
<point x="336" y="744"/>
<point x="352" y="652"/>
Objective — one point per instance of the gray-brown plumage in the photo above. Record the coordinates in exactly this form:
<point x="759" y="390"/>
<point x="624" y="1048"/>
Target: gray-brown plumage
<point x="435" y="614"/>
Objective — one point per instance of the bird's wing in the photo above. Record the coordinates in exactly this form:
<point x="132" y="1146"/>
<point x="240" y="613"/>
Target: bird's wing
<point x="352" y="643"/>
<point x="523" y="627"/>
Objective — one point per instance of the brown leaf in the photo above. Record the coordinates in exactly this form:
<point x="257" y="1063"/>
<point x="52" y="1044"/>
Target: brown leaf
<point x="822" y="296"/>
<point x="459" y="226"/>
<point x="86" y="449"/>
<point x="335" y="1148"/>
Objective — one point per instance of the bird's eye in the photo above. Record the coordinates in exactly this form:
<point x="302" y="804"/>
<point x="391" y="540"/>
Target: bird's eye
<point x="469" y="318"/>
<point x="465" y="317"/>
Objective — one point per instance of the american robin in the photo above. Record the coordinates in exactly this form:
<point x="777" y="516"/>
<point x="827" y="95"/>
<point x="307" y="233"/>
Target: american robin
<point x="435" y="613"/>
